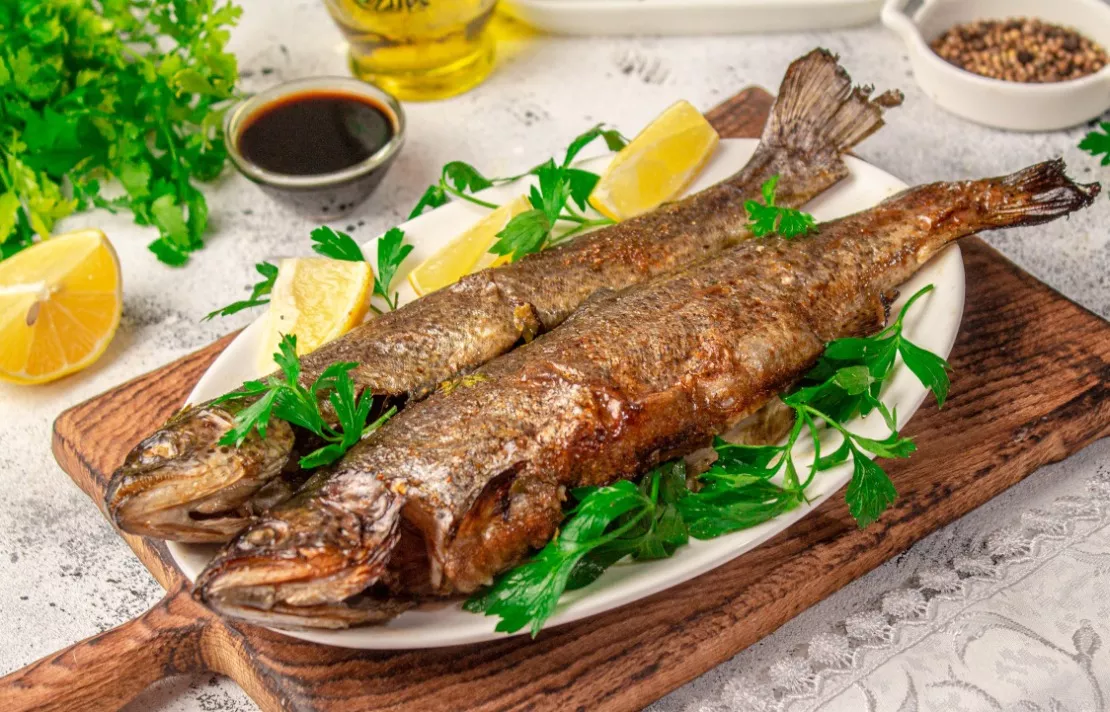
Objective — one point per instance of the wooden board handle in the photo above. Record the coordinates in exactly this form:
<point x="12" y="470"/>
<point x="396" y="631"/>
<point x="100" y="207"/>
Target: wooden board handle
<point x="107" y="670"/>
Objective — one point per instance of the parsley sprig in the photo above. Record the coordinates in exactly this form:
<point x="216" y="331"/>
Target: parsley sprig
<point x="282" y="396"/>
<point x="1097" y="142"/>
<point x="391" y="252"/>
<point x="133" y="91"/>
<point x="560" y="188"/>
<point x="260" y="292"/>
<point x="607" y="524"/>
<point x="739" y="491"/>
<point x="766" y="218"/>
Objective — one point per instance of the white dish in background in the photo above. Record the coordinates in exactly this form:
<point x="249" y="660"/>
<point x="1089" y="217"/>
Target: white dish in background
<point x="691" y="17"/>
<point x="993" y="102"/>
<point x="932" y="324"/>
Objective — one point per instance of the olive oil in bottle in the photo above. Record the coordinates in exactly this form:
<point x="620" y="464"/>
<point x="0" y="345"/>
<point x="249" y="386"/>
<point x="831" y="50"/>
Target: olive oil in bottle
<point x="418" y="49"/>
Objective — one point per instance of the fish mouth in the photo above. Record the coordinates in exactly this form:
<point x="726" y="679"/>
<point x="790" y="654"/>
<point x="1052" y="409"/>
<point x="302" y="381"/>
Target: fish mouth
<point x="307" y="567"/>
<point x="181" y="484"/>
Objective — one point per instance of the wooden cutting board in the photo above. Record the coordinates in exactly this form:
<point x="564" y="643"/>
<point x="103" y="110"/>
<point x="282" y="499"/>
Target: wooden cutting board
<point x="1029" y="387"/>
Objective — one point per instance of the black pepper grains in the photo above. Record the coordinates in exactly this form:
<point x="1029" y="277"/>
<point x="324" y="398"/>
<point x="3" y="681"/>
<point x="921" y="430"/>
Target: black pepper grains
<point x="1020" y="50"/>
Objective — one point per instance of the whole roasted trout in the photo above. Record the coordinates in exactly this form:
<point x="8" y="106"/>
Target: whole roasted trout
<point x="180" y="484"/>
<point x="463" y="485"/>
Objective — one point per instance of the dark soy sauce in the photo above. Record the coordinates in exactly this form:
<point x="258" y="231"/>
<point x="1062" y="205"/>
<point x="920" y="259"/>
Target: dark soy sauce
<point x="315" y="132"/>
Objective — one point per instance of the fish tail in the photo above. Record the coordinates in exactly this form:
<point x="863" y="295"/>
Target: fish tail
<point x="906" y="230"/>
<point x="818" y="114"/>
<point x="1036" y="195"/>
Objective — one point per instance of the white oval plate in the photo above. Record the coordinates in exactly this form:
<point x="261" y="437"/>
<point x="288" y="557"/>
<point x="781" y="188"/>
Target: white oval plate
<point x="932" y="324"/>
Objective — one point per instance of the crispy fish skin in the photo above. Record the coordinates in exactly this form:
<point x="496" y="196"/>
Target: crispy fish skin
<point x="407" y="353"/>
<point x="464" y="484"/>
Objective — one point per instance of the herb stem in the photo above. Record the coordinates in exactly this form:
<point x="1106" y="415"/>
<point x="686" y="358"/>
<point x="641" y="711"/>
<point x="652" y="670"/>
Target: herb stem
<point x="621" y="530"/>
<point x="466" y="196"/>
<point x="584" y="221"/>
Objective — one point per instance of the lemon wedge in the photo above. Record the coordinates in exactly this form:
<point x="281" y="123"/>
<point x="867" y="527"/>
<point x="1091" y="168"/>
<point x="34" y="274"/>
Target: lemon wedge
<point x="317" y="300"/>
<point x="60" y="303"/>
<point x="466" y="253"/>
<point x="656" y="165"/>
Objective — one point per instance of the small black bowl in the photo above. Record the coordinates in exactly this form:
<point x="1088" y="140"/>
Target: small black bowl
<point x="322" y="196"/>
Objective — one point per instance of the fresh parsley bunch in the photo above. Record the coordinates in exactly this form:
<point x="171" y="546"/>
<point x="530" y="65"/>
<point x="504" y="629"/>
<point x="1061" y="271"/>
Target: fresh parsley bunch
<point x="284" y="397"/>
<point x="98" y="89"/>
<point x="652" y="519"/>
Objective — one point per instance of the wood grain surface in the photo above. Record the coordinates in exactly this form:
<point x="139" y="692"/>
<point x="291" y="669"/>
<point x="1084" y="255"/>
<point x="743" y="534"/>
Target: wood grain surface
<point x="1029" y="386"/>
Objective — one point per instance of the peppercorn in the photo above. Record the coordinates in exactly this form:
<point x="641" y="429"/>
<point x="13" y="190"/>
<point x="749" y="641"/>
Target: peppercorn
<point x="1020" y="49"/>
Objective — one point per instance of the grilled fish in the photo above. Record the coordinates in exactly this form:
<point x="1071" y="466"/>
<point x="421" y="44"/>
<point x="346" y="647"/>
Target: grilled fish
<point x="463" y="485"/>
<point x="180" y="484"/>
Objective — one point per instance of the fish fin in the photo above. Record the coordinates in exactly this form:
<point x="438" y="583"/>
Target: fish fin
<point x="1037" y="194"/>
<point x="819" y="113"/>
<point x="516" y="512"/>
<point x="870" y="318"/>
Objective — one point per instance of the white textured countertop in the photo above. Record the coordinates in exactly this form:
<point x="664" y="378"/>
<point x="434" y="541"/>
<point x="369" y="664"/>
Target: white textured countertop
<point x="65" y="575"/>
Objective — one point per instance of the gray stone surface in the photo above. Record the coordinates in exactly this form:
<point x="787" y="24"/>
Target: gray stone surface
<point x="65" y="575"/>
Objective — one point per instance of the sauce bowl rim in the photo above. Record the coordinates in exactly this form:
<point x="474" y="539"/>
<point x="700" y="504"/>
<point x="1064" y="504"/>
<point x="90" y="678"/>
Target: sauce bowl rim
<point x="238" y="115"/>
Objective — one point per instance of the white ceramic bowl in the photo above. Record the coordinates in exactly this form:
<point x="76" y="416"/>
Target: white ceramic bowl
<point x="993" y="102"/>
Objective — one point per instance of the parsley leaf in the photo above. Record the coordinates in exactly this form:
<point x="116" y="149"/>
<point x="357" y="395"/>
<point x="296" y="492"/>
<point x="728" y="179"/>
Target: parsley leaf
<point x="259" y="290"/>
<point x="284" y="397"/>
<point x="433" y="197"/>
<point x="1097" y="142"/>
<point x="465" y="177"/>
<point x="336" y="245"/>
<point x="870" y="491"/>
<point x="581" y="184"/>
<point x="522" y="235"/>
<point x="929" y="368"/>
<point x="614" y="141"/>
<point x="392" y="251"/>
<point x="767" y="218"/>
<point x="846" y="382"/>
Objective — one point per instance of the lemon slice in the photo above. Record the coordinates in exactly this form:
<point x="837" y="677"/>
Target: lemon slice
<point x="656" y="165"/>
<point x="60" y="303"/>
<point x="466" y="253"/>
<point x="318" y="300"/>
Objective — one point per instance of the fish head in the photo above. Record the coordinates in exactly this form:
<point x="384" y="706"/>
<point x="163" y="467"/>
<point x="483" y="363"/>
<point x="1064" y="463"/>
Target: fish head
<point x="307" y="563"/>
<point x="182" y="484"/>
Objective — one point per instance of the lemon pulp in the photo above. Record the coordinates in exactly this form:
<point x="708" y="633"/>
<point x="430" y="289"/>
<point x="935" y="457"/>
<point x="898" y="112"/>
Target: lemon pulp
<point x="60" y="304"/>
